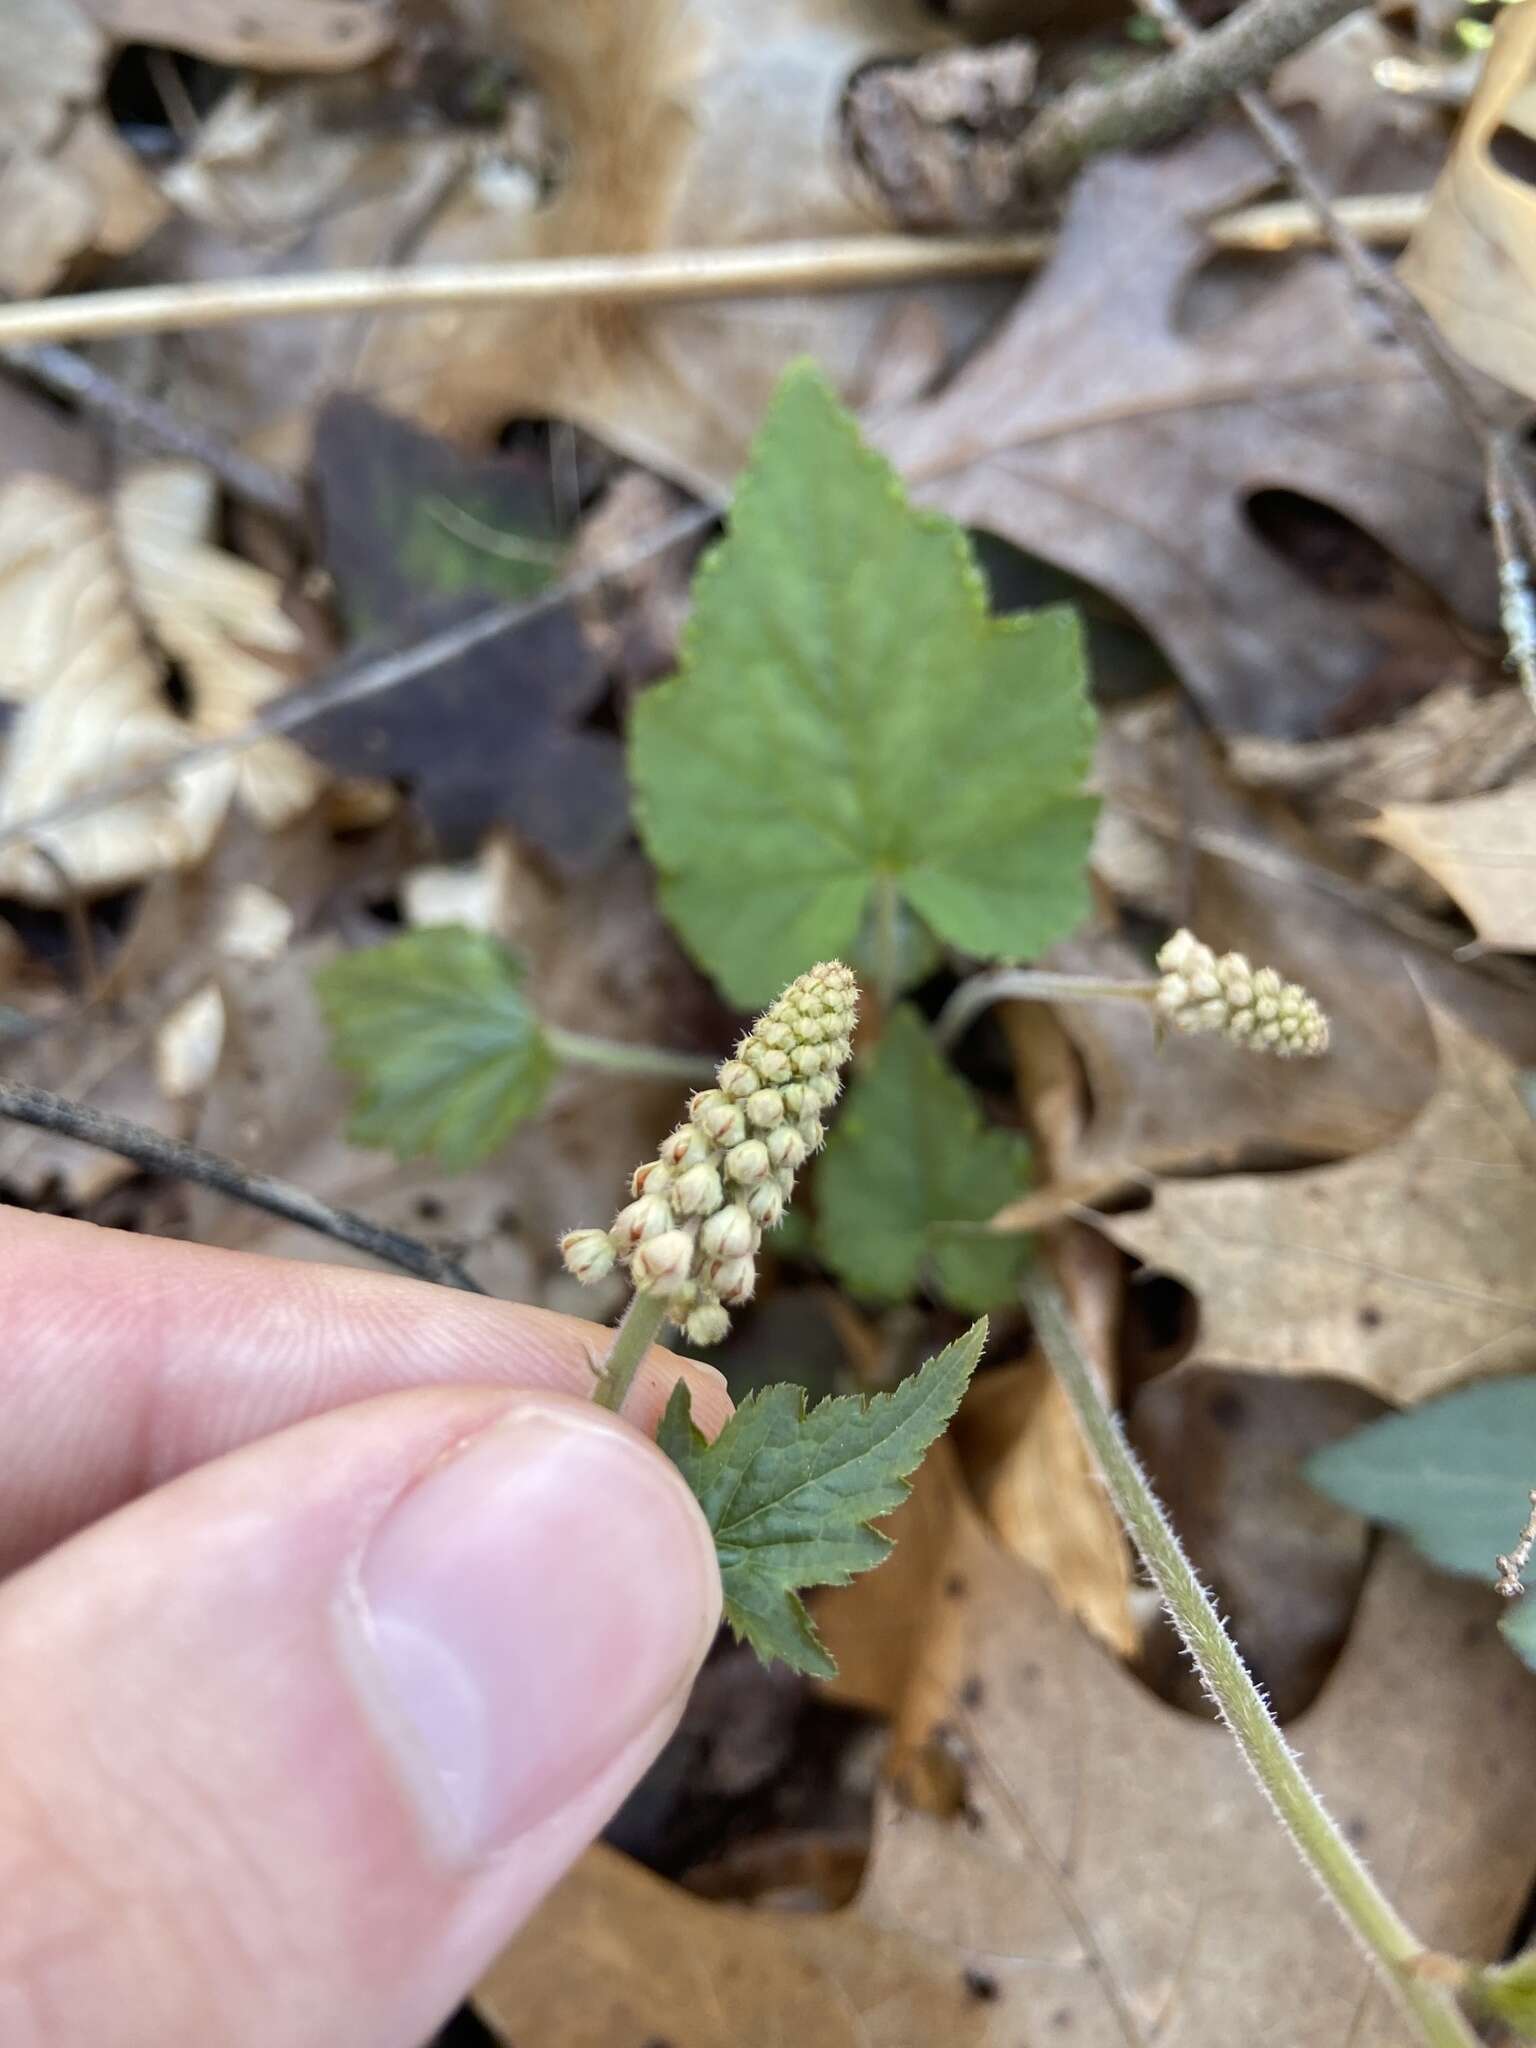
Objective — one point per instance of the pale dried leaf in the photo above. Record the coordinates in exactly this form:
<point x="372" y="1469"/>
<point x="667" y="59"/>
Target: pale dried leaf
<point x="1407" y="1269"/>
<point x="1098" y="431"/>
<point x="1482" y="851"/>
<point x="189" y="1042"/>
<point x="263" y="35"/>
<point x="67" y="184"/>
<point x="1472" y="261"/>
<point x="256" y="925"/>
<point x="93" y="709"/>
<point x="219" y="617"/>
<point x="1113" y="1874"/>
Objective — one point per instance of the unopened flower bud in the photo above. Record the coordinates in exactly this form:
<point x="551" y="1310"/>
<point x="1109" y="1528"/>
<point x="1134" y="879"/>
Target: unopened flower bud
<point x="721" y="1120"/>
<point x="793" y="1097"/>
<point x="786" y="1148"/>
<point x="729" y="1234"/>
<point x="765" y="1108"/>
<point x="685" y="1147"/>
<point x="648" y="1216"/>
<point x="770" y="1065"/>
<point x="765" y="1205"/>
<point x="748" y="1163"/>
<point x="708" y="1323"/>
<point x="654" y="1178"/>
<point x="812" y="1135"/>
<point x="1200" y="992"/>
<point x="588" y="1254"/>
<point x="696" y="1191"/>
<point x="733" y="1279"/>
<point x="661" y="1264"/>
<point x="737" y="1080"/>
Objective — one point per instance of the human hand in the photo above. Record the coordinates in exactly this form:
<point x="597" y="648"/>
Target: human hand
<point x="338" y="1623"/>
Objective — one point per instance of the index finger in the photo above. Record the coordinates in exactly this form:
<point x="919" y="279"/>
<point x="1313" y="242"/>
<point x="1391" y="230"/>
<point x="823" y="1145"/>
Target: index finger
<point x="128" y="1360"/>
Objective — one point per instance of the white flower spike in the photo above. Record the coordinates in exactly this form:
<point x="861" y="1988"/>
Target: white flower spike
<point x="1203" y="992"/>
<point x="692" y="1232"/>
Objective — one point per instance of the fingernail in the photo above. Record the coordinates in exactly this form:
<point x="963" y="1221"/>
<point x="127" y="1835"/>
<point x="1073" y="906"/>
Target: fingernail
<point x="531" y="1607"/>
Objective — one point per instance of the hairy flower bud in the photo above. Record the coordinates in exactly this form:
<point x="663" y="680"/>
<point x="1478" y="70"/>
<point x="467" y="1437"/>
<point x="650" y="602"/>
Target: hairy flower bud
<point x="786" y="1147"/>
<point x="708" y="1323"/>
<point x="588" y="1254"/>
<point x="697" y="1191"/>
<point x="660" y="1265"/>
<point x="733" y="1279"/>
<point x="748" y="1163"/>
<point x="737" y="1080"/>
<point x="654" y="1178"/>
<point x="765" y="1108"/>
<point x="1201" y="992"/>
<point x="765" y="1205"/>
<point x="718" y="1117"/>
<point x="685" y="1147"/>
<point x="729" y="1234"/>
<point x="648" y="1216"/>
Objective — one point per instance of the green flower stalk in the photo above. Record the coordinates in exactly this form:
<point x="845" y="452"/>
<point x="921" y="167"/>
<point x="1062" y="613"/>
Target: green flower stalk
<point x="689" y="1237"/>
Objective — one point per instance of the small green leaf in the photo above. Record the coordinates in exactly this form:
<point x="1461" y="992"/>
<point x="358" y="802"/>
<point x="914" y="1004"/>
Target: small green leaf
<point x="1454" y="1476"/>
<point x="448" y="1056"/>
<point x="910" y="1173"/>
<point x="790" y="1494"/>
<point x="847" y="711"/>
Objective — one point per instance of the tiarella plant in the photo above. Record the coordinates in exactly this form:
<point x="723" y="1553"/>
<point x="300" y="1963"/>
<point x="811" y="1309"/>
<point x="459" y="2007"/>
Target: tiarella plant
<point x="922" y="791"/>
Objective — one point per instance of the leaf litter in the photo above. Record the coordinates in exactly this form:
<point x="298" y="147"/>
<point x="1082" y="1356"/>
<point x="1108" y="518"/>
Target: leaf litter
<point x="1307" y="751"/>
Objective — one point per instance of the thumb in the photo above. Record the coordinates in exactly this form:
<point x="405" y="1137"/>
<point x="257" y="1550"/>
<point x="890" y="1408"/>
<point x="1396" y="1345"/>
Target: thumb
<point x="289" y="1747"/>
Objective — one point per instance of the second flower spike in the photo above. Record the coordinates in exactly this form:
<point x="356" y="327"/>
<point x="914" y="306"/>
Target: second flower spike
<point x="691" y="1233"/>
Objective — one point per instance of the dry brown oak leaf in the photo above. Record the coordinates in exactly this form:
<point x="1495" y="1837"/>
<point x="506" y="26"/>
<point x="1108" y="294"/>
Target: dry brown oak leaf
<point x="1407" y="1269"/>
<point x="1113" y="1878"/>
<point x="1098" y="431"/>
<point x="1482" y="851"/>
<point x="1472" y="261"/>
<point x="687" y="124"/>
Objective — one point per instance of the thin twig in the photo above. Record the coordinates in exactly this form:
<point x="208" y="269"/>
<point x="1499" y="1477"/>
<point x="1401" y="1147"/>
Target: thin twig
<point x="156" y="1154"/>
<point x="1369" y="1914"/>
<point x="1509" y="1582"/>
<point x="355" y="681"/>
<point x="1517" y="607"/>
<point x="656" y="277"/>
<point x="1161" y="99"/>
<point x="68" y="375"/>
<point x="854" y="262"/>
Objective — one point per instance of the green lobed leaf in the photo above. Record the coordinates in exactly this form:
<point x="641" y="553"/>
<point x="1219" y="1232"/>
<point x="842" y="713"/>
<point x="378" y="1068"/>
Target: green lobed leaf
<point x="790" y="1493"/>
<point x="910" y="1173"/>
<point x="1454" y="1476"/>
<point x="847" y="712"/>
<point x="448" y="1056"/>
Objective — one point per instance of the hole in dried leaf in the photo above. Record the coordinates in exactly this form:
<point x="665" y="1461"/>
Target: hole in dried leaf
<point x="157" y="98"/>
<point x="1333" y="553"/>
<point x="1513" y="152"/>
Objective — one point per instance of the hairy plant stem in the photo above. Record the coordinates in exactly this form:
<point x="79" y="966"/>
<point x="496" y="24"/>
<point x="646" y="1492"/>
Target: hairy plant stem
<point x="581" y="1049"/>
<point x="638" y="1330"/>
<point x="1371" y="1916"/>
<point x="157" y="1154"/>
<point x="1033" y="985"/>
